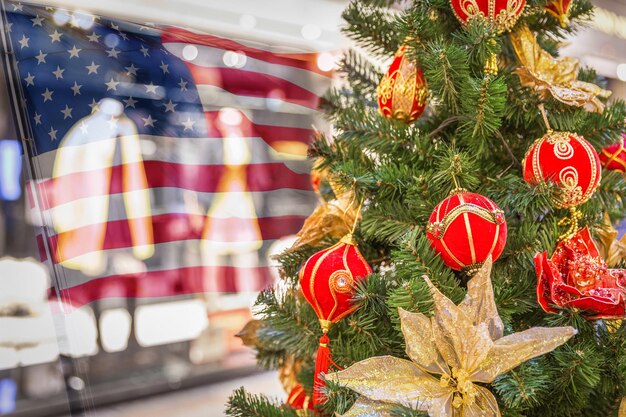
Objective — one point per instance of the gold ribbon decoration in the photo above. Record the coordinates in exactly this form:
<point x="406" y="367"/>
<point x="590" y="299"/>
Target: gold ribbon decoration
<point x="556" y="77"/>
<point x="451" y="353"/>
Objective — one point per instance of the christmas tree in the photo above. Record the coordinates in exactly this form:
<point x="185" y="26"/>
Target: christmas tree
<point x="450" y="268"/>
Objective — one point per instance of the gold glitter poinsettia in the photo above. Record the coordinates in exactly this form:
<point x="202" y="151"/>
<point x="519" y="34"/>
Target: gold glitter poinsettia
<point x="450" y="353"/>
<point x="613" y="250"/>
<point x="554" y="76"/>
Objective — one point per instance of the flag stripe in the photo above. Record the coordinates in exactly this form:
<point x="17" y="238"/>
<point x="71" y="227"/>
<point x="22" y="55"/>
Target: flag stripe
<point x="166" y="228"/>
<point x="198" y="178"/>
<point x="299" y="60"/>
<point x="168" y="283"/>
<point x="213" y="58"/>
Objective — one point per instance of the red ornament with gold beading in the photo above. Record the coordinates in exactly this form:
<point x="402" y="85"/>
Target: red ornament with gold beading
<point x="465" y="228"/>
<point x="501" y="14"/>
<point x="402" y="92"/>
<point x="567" y="160"/>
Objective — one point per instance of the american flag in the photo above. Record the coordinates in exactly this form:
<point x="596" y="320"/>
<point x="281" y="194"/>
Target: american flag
<point x="163" y="161"/>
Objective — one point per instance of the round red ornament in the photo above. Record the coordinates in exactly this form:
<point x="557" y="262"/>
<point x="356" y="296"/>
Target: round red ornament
<point x="560" y="10"/>
<point x="613" y="157"/>
<point x="465" y="228"/>
<point x="567" y="160"/>
<point x="298" y="399"/>
<point x="402" y="92"/>
<point x="501" y="14"/>
<point x="327" y="279"/>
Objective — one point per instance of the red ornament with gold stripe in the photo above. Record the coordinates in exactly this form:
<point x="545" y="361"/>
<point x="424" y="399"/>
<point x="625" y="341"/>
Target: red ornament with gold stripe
<point x="567" y="160"/>
<point x="402" y="92"/>
<point x="465" y="228"/>
<point x="327" y="282"/>
<point x="298" y="399"/>
<point x="560" y="10"/>
<point x="501" y="14"/>
<point x="613" y="157"/>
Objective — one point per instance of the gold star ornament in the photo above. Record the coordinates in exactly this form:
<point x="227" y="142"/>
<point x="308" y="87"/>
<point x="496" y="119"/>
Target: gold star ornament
<point x="451" y="352"/>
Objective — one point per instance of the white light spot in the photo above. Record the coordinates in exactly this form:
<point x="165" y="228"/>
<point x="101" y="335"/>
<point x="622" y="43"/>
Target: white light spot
<point x="84" y="19"/>
<point x="311" y="32"/>
<point x="61" y="17"/>
<point x="190" y="52"/>
<point x="115" y="326"/>
<point x="111" y="107"/>
<point x="247" y="21"/>
<point x="111" y="40"/>
<point x="325" y="61"/>
<point x="234" y="59"/>
<point x="230" y="116"/>
<point x="621" y="72"/>
<point x="76" y="383"/>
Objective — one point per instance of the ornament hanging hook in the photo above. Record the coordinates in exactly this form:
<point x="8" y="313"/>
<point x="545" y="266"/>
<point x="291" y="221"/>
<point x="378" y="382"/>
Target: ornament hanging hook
<point x="544" y="115"/>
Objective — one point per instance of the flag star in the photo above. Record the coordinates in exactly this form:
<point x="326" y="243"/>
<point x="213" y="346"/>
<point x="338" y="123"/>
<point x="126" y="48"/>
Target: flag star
<point x="94" y="37"/>
<point x="114" y="26"/>
<point x="52" y="133"/>
<point x="189" y="124"/>
<point x="93" y="68"/>
<point x="67" y="112"/>
<point x="164" y="67"/>
<point x="37" y="21"/>
<point x="37" y="119"/>
<point x="144" y="51"/>
<point x="47" y="95"/>
<point x="55" y="36"/>
<point x="112" y="85"/>
<point x="112" y="53"/>
<point x="30" y="80"/>
<point x="151" y="88"/>
<point x="76" y="88"/>
<point x="112" y="122"/>
<point x="169" y="106"/>
<point x="8" y="27"/>
<point x="183" y="85"/>
<point x="17" y="7"/>
<point x="132" y="70"/>
<point x="41" y="58"/>
<point x="24" y="42"/>
<point x="123" y="36"/>
<point x="130" y="102"/>
<point x="74" y="52"/>
<point x="94" y="105"/>
<point x="58" y="73"/>
<point x="83" y="127"/>
<point x="148" y="121"/>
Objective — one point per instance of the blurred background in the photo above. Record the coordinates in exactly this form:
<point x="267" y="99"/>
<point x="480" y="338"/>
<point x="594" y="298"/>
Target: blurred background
<point x="148" y="174"/>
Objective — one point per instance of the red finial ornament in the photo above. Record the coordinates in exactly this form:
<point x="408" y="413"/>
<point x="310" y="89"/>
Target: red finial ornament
<point x="327" y="282"/>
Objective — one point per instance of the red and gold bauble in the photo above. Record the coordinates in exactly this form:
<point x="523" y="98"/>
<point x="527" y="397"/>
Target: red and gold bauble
<point x="402" y="92"/>
<point x="327" y="282"/>
<point x="465" y="228"/>
<point x="298" y="399"/>
<point x="327" y="279"/>
<point x="560" y="10"/>
<point x="501" y="14"/>
<point x="613" y="157"/>
<point x="567" y="160"/>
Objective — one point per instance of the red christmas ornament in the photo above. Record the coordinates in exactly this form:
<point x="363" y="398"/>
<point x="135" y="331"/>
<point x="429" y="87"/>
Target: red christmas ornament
<point x="613" y="157"/>
<point x="501" y="14"/>
<point x="465" y="228"/>
<point x="560" y="10"/>
<point x="326" y="281"/>
<point x="402" y="92"/>
<point x="298" y="399"/>
<point x="567" y="160"/>
<point x="577" y="277"/>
